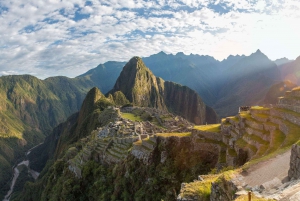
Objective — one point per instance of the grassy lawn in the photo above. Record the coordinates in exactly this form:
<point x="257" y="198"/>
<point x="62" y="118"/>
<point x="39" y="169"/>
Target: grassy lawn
<point x="261" y="151"/>
<point x="245" y="115"/>
<point x="259" y="108"/>
<point x="241" y="143"/>
<point x="139" y="142"/>
<point x="209" y="128"/>
<point x="293" y="136"/>
<point x="201" y="189"/>
<point x="265" y="116"/>
<point x="278" y="139"/>
<point x="131" y="117"/>
<point x="256" y="138"/>
<point x="234" y="118"/>
<point x="288" y="112"/>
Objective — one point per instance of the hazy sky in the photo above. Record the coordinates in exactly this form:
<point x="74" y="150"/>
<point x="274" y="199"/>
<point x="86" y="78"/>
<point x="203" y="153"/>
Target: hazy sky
<point x="68" y="37"/>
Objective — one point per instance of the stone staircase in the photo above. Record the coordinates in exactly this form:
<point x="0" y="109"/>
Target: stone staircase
<point x="109" y="150"/>
<point x="142" y="149"/>
<point x="262" y="130"/>
<point x="258" y="131"/>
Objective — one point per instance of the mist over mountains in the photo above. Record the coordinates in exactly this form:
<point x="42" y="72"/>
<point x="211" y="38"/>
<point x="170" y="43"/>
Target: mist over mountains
<point x="223" y="85"/>
<point x="31" y="108"/>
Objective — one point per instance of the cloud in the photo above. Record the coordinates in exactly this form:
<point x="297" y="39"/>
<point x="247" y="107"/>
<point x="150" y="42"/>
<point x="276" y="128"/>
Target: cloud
<point x="53" y="37"/>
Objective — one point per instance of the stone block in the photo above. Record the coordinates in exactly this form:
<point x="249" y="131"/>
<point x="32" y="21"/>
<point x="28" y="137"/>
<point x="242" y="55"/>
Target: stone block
<point x="271" y="184"/>
<point x="294" y="172"/>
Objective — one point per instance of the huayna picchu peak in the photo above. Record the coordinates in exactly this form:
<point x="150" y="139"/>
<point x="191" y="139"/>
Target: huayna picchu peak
<point x="142" y="88"/>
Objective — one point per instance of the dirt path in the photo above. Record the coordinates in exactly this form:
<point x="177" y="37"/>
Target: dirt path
<point x="268" y="170"/>
<point x="272" y="175"/>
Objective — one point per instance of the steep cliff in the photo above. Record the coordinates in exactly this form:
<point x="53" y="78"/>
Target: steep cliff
<point x="142" y="88"/>
<point x="139" y="85"/>
<point x="109" y="164"/>
<point x="29" y="109"/>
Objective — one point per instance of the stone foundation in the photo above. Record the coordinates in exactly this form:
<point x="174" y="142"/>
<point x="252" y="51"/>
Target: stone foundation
<point x="294" y="171"/>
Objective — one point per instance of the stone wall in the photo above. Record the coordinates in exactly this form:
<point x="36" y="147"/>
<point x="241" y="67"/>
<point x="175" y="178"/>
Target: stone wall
<point x="294" y="171"/>
<point x="269" y="127"/>
<point x="259" y="118"/>
<point x="286" y="116"/>
<point x="141" y="153"/>
<point x="258" y="111"/>
<point x="296" y="93"/>
<point x="148" y="144"/>
<point x="289" y="101"/>
<point x="208" y="135"/>
<point x="255" y="125"/>
<point x="223" y="190"/>
<point x="289" y="107"/>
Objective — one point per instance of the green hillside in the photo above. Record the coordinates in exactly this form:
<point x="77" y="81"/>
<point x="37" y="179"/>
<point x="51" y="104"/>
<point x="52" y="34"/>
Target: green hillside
<point x="29" y="109"/>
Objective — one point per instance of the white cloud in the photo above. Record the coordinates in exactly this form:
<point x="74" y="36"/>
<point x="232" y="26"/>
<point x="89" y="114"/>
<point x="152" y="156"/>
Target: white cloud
<point x="45" y="38"/>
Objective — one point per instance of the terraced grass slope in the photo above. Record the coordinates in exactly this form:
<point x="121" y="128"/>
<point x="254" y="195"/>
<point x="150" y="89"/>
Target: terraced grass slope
<point x="121" y="152"/>
<point x="253" y="136"/>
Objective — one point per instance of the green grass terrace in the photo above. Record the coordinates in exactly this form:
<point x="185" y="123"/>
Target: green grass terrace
<point x="131" y="117"/>
<point x="209" y="128"/>
<point x="259" y="108"/>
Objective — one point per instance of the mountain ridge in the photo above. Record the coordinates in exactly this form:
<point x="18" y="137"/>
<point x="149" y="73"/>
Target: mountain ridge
<point x="142" y="88"/>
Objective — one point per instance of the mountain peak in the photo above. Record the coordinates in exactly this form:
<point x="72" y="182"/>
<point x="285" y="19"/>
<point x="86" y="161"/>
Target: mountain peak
<point x="258" y="51"/>
<point x="135" y="63"/>
<point x="138" y="84"/>
<point x="134" y="60"/>
<point x="180" y="54"/>
<point x="258" y="54"/>
<point x="143" y="89"/>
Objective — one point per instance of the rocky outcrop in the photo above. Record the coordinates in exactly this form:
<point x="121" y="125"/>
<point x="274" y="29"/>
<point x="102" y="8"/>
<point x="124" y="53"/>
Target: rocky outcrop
<point x="185" y="102"/>
<point x="294" y="171"/>
<point x="216" y="136"/>
<point x="139" y="85"/>
<point x="223" y="190"/>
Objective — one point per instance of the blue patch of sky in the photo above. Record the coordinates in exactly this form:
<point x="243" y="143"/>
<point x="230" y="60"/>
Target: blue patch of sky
<point x="63" y="12"/>
<point x="3" y="9"/>
<point x="76" y="33"/>
<point x="148" y="12"/>
<point x="55" y="43"/>
<point x="50" y="21"/>
<point x="220" y="8"/>
<point x="30" y="28"/>
<point x="79" y="15"/>
<point x="88" y="3"/>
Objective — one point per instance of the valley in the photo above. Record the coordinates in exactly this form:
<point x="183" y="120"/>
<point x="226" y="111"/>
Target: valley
<point x="146" y="134"/>
<point x="138" y="100"/>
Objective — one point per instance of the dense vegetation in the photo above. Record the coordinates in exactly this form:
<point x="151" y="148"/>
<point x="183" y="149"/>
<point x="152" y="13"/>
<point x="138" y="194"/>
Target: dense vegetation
<point x="223" y="85"/>
<point x="29" y="109"/>
<point x="130" y="179"/>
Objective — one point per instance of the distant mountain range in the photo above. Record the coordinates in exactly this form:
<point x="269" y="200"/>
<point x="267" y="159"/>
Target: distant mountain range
<point x="30" y="108"/>
<point x="223" y="85"/>
<point x="142" y="88"/>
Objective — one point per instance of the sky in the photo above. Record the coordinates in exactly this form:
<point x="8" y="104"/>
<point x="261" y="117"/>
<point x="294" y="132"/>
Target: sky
<point x="68" y="37"/>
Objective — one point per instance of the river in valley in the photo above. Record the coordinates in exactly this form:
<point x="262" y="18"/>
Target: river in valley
<point x="25" y="162"/>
